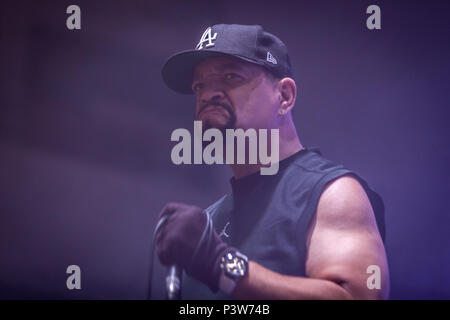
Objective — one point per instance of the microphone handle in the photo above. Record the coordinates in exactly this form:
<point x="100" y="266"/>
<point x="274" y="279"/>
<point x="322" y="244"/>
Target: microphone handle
<point x="173" y="282"/>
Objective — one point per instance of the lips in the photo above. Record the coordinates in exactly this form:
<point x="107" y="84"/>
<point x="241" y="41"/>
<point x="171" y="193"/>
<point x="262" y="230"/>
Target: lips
<point x="217" y="121"/>
<point x="213" y="108"/>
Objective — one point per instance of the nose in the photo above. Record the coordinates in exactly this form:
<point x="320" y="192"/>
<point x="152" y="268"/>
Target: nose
<point x="212" y="92"/>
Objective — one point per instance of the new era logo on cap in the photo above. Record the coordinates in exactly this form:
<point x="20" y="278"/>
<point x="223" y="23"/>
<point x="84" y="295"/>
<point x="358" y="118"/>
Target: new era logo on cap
<point x="270" y="58"/>
<point x="249" y="43"/>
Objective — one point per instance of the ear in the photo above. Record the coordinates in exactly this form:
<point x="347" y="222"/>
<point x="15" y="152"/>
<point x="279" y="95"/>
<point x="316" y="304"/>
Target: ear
<point x="288" y="94"/>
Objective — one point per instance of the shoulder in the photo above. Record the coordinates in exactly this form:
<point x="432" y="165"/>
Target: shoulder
<point x="343" y="238"/>
<point x="344" y="207"/>
<point x="344" y="204"/>
<point x="312" y="160"/>
<point x="347" y="194"/>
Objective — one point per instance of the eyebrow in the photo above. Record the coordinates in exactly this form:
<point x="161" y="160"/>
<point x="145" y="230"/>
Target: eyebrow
<point x="230" y="65"/>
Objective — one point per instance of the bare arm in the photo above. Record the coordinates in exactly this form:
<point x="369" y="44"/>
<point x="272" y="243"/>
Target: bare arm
<point x="342" y="241"/>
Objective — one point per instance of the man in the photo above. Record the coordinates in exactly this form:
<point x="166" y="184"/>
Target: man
<point x="314" y="230"/>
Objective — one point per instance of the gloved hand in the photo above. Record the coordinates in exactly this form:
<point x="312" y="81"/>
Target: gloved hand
<point x="178" y="243"/>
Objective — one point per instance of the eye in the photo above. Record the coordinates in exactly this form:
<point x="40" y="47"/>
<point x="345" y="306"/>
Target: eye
<point x="232" y="76"/>
<point x="197" y="86"/>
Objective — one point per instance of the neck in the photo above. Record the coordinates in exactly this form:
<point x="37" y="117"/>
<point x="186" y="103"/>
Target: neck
<point x="289" y="144"/>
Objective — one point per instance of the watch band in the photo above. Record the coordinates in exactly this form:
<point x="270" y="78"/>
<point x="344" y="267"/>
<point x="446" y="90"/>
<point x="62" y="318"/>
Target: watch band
<point x="234" y="267"/>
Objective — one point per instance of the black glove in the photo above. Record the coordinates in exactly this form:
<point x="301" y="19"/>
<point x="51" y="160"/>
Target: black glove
<point x="179" y="242"/>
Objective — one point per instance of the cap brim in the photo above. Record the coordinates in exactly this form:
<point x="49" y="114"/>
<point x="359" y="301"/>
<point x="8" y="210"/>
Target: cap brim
<point x="178" y="70"/>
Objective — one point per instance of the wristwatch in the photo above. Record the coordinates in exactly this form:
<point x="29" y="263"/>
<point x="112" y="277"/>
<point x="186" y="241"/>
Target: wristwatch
<point x="234" y="267"/>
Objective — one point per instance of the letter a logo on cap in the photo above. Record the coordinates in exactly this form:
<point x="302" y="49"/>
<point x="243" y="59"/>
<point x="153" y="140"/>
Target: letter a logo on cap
<point x="206" y="37"/>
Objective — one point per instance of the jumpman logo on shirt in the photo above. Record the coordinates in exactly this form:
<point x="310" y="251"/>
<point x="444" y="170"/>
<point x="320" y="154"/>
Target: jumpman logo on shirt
<point x="223" y="232"/>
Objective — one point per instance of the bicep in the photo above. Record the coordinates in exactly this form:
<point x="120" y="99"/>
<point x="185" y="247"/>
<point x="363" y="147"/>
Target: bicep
<point x="343" y="240"/>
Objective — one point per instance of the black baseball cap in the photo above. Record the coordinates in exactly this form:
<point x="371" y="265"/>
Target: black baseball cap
<point x="245" y="42"/>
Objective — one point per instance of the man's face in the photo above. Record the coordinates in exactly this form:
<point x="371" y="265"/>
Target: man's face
<point x="234" y="94"/>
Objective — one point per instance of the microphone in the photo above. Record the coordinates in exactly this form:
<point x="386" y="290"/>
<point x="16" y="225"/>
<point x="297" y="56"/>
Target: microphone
<point x="173" y="282"/>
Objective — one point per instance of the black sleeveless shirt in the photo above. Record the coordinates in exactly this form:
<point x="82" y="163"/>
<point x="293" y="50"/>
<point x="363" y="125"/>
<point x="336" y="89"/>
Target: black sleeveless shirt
<point x="266" y="217"/>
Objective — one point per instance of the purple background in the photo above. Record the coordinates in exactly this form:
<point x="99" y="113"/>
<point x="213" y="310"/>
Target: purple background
<point x="85" y="124"/>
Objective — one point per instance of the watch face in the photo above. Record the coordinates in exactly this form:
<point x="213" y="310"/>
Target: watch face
<point x="234" y="265"/>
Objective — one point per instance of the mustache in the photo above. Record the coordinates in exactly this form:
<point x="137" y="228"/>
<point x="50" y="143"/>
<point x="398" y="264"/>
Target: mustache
<point x="224" y="105"/>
